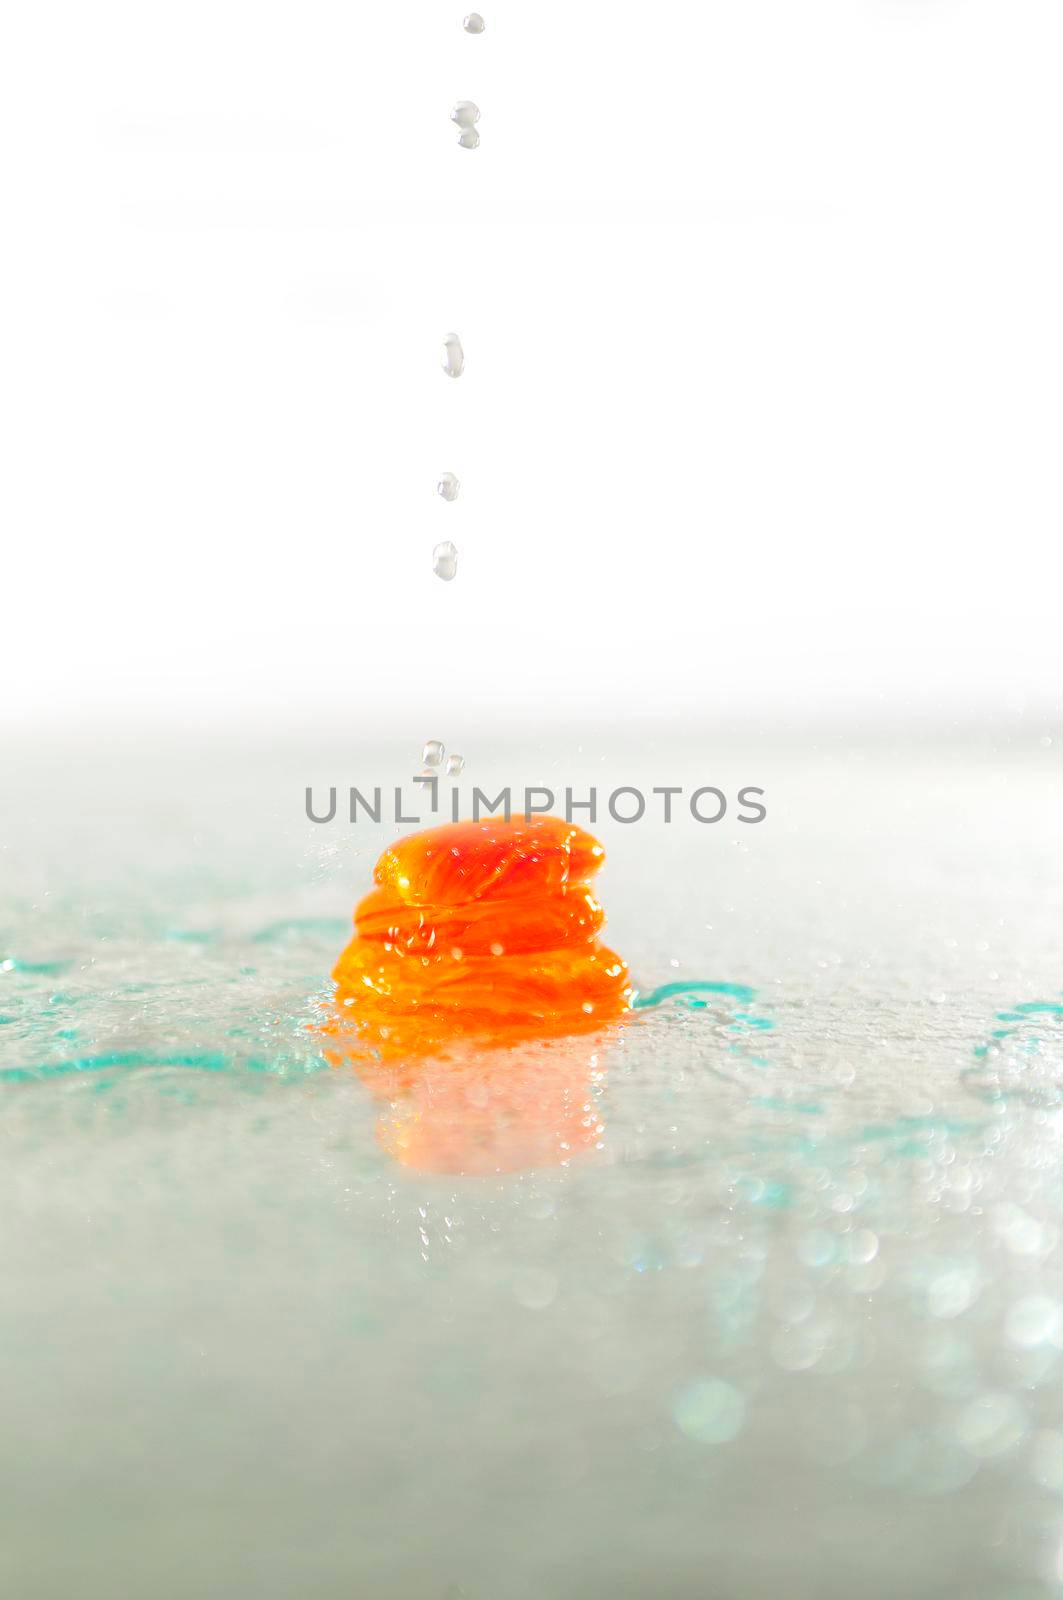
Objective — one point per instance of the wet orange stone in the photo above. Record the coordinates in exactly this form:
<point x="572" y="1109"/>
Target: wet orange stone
<point x="484" y="932"/>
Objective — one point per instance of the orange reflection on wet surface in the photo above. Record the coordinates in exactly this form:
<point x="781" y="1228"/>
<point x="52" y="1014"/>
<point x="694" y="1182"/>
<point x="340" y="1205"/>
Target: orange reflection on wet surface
<point x="475" y="961"/>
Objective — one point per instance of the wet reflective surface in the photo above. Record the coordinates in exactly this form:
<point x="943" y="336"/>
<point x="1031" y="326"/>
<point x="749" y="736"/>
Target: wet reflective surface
<point x="757" y="1293"/>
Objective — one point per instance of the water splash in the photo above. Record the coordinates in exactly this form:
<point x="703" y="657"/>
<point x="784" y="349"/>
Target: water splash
<point x="453" y="356"/>
<point x="445" y="560"/>
<point x="466" y="114"/>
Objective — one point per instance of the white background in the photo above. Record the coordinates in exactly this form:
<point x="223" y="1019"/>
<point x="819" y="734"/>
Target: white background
<point x="761" y="307"/>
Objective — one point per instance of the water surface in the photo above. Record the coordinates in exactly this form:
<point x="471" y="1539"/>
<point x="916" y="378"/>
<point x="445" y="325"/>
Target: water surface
<point x="758" y="1294"/>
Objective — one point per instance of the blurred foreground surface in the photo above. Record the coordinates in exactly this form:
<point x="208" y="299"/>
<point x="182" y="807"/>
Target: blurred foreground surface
<point x="759" y="1294"/>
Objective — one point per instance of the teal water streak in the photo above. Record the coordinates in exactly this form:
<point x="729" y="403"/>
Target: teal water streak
<point x="330" y="926"/>
<point x="1024" y="1051"/>
<point x="197" y="1061"/>
<point x="926" y="1126"/>
<point x="801" y="1108"/>
<point x="13" y="964"/>
<point x="684" y="988"/>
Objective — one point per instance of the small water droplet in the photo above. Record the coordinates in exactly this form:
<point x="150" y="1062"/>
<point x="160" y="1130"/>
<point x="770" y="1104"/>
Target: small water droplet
<point x="445" y="561"/>
<point x="466" y="114"/>
<point x="474" y="23"/>
<point x="448" y="486"/>
<point x="453" y="356"/>
<point x="455" y="764"/>
<point x="433" y="753"/>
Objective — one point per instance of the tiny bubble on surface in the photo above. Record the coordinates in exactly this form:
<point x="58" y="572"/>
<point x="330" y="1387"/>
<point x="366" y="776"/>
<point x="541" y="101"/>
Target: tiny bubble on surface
<point x="433" y="752"/>
<point x="474" y="23"/>
<point x="455" y="765"/>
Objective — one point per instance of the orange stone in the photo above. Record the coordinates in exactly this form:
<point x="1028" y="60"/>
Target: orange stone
<point x="484" y="932"/>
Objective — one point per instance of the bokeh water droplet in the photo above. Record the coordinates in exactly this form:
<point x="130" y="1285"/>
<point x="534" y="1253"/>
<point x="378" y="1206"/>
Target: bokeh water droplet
<point x="992" y="1424"/>
<point x="1032" y="1321"/>
<point x="433" y="753"/>
<point x="466" y="114"/>
<point x="710" y="1411"/>
<point x="445" y="560"/>
<point x="448" y="486"/>
<point x="1046" y="1463"/>
<point x="453" y="356"/>
<point x="455" y="764"/>
<point x="474" y="23"/>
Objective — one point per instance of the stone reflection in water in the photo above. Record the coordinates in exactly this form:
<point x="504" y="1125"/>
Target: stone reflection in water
<point x="475" y="1112"/>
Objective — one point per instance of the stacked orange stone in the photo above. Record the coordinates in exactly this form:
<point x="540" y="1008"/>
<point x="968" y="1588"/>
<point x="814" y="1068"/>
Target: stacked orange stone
<point x="481" y="931"/>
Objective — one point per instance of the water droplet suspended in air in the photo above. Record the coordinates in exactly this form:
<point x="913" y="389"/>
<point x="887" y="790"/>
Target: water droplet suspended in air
<point x="453" y="356"/>
<point x="455" y="764"/>
<point x="466" y="114"/>
<point x="473" y="23"/>
<point x="448" y="486"/>
<point x="433" y="753"/>
<point x="445" y="560"/>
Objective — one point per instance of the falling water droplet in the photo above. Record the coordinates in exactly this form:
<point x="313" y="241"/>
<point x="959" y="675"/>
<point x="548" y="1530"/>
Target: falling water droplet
<point x="453" y="356"/>
<point x="455" y="764"/>
<point x="448" y="486"/>
<point x="473" y="23"/>
<point x="445" y="560"/>
<point x="433" y="753"/>
<point x="466" y="114"/>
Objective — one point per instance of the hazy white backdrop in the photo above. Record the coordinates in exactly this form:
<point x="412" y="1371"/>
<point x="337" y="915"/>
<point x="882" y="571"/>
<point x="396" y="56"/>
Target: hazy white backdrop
<point x="762" y="313"/>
